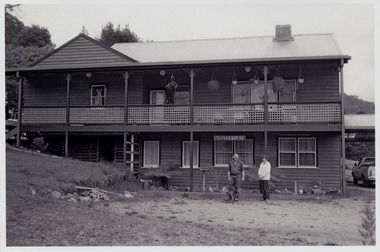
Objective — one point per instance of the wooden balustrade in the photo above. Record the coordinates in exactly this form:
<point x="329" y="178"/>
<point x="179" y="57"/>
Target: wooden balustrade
<point x="96" y="115"/>
<point x="180" y="114"/>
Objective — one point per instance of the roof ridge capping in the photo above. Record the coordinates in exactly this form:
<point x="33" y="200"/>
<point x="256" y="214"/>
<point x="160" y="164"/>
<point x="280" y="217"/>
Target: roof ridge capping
<point x="213" y="39"/>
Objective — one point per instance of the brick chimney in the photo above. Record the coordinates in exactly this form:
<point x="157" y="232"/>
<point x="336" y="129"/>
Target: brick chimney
<point x="283" y="33"/>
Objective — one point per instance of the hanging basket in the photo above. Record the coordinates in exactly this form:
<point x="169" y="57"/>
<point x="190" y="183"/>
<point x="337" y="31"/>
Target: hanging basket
<point x="213" y="84"/>
<point x="278" y="83"/>
<point x="254" y="80"/>
<point x="172" y="84"/>
<point x="234" y="78"/>
<point x="301" y="79"/>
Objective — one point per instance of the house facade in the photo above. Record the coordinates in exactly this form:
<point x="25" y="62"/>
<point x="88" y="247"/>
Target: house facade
<point x="191" y="105"/>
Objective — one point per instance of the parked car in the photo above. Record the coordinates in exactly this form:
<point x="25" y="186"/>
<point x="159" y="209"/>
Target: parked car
<point x="349" y="177"/>
<point x="364" y="171"/>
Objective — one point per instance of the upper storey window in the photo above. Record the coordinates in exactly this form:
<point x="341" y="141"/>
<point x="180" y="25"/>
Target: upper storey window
<point x="245" y="92"/>
<point x="98" y="95"/>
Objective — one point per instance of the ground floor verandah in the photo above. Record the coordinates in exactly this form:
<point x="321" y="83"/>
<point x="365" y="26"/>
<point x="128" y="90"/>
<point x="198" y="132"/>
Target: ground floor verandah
<point x="304" y="158"/>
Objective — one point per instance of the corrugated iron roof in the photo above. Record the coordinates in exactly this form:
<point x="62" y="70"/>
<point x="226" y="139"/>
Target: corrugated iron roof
<point x="303" y="46"/>
<point x="360" y="121"/>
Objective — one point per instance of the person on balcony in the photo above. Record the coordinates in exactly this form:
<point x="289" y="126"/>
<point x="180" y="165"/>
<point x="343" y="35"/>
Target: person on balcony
<point x="236" y="175"/>
<point x="264" y="176"/>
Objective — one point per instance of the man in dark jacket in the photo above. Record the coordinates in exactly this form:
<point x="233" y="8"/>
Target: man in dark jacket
<point x="236" y="175"/>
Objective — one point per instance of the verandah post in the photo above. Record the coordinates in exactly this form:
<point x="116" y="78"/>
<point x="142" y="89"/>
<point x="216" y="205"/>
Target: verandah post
<point x="126" y="76"/>
<point x="19" y="108"/>
<point x="265" y="72"/>
<point x="68" y="79"/>
<point x="192" y="75"/>
<point x="343" y="145"/>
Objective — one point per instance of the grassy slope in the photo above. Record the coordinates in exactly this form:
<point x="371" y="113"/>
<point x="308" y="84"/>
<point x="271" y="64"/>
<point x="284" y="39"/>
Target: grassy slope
<point x="26" y="169"/>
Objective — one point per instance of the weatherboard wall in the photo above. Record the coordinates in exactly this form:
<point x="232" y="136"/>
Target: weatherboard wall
<point x="321" y="85"/>
<point x="328" y="169"/>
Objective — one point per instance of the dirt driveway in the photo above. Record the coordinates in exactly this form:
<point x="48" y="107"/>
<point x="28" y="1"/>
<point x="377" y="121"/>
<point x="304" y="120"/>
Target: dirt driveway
<point x="279" y="222"/>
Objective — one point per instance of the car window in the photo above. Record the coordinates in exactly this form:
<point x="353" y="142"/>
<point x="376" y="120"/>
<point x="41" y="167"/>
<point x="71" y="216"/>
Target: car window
<point x="369" y="161"/>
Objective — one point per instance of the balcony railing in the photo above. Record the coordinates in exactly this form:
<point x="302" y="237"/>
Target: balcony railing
<point x="96" y="115"/>
<point x="304" y="113"/>
<point x="180" y="114"/>
<point x="159" y="114"/>
<point x="229" y="114"/>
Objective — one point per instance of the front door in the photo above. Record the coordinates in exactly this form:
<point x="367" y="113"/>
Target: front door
<point x="156" y="113"/>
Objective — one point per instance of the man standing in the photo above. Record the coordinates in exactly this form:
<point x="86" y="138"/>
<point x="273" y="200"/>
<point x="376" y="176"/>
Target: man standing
<point x="236" y="175"/>
<point x="264" y="176"/>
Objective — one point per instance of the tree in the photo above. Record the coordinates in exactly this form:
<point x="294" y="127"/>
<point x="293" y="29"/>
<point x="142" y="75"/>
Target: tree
<point x="23" y="46"/>
<point x="110" y="35"/>
<point x="34" y="36"/>
<point x="13" y="27"/>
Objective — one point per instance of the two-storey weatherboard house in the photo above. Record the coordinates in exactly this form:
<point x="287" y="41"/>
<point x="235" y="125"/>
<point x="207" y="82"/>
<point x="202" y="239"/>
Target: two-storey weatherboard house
<point x="193" y="104"/>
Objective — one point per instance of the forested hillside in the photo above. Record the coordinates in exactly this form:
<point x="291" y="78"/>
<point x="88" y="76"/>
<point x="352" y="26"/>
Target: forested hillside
<point x="354" y="105"/>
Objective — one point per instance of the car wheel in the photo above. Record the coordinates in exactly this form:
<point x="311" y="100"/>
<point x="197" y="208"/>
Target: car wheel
<point x="355" y="180"/>
<point x="365" y="182"/>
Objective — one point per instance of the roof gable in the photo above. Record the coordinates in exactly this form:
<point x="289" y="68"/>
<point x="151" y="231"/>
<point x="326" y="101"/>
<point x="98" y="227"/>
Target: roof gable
<point x="82" y="51"/>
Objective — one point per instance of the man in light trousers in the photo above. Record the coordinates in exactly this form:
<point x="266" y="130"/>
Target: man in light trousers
<point x="264" y="176"/>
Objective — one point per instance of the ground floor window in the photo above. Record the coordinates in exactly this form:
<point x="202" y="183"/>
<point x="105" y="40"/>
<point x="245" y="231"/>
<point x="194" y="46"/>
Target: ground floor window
<point x="186" y="154"/>
<point x="297" y="152"/>
<point x="224" y="149"/>
<point x="151" y="154"/>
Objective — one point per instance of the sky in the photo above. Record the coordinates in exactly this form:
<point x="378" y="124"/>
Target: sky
<point x="351" y="22"/>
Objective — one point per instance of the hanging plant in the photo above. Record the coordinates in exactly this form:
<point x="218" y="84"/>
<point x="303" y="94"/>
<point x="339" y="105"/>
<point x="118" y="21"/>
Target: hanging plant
<point x="301" y="79"/>
<point x="213" y="84"/>
<point x="254" y="80"/>
<point x="234" y="78"/>
<point x="278" y="82"/>
<point x="172" y="84"/>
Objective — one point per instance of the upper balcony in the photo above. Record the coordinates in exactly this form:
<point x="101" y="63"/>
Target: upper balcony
<point x="213" y="114"/>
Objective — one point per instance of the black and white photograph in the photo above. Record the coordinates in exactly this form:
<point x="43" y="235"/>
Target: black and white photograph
<point x="181" y="125"/>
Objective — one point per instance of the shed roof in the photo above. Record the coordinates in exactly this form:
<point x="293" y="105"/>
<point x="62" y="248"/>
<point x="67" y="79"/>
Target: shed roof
<point x="263" y="48"/>
<point x="359" y="122"/>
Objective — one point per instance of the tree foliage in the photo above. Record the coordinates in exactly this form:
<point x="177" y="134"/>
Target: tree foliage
<point x="34" y="36"/>
<point x="110" y="35"/>
<point x="13" y="27"/>
<point x="23" y="46"/>
<point x="19" y="56"/>
<point x="357" y="150"/>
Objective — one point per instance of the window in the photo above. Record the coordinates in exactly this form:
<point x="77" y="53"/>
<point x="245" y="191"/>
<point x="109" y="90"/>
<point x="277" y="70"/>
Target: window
<point x="307" y="153"/>
<point x="224" y="149"/>
<point x="297" y="152"/>
<point x="288" y="94"/>
<point x="186" y="154"/>
<point x="244" y="92"/>
<point x="287" y="152"/>
<point x="151" y="154"/>
<point x="98" y="95"/>
<point x="258" y="93"/>
<point x="241" y="93"/>
<point x="182" y="95"/>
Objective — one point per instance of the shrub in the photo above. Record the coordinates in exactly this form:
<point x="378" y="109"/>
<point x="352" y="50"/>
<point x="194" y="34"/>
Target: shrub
<point x="39" y="144"/>
<point x="368" y="226"/>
